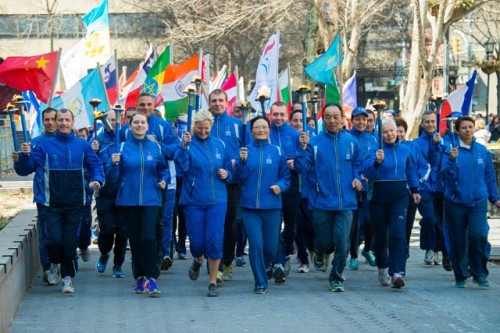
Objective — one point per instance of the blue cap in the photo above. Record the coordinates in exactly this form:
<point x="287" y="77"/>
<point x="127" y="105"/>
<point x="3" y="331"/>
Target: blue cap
<point x="358" y="111"/>
<point x="455" y="114"/>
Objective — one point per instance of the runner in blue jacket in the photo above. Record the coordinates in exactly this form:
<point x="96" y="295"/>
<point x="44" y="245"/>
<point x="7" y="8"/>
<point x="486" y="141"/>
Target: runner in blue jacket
<point x="470" y="182"/>
<point x="205" y="167"/>
<point x="63" y="158"/>
<point x="263" y="172"/>
<point x="394" y="175"/>
<point x="141" y="173"/>
<point x="335" y="159"/>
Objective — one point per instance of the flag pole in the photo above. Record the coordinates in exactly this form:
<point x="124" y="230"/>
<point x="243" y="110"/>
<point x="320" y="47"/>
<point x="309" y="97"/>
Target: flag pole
<point x="237" y="74"/>
<point x="117" y="78"/>
<point x="56" y="74"/>
<point x="108" y="106"/>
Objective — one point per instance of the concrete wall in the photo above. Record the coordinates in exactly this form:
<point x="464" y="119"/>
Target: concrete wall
<point x="19" y="263"/>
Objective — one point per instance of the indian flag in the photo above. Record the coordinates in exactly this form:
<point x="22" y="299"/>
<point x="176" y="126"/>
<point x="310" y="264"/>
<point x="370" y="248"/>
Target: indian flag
<point x="156" y="75"/>
<point x="176" y="79"/>
<point x="284" y="89"/>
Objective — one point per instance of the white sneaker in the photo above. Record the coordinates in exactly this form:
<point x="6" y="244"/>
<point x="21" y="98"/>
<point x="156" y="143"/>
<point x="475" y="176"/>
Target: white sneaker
<point x="397" y="281"/>
<point x="383" y="277"/>
<point x="429" y="257"/>
<point x="303" y="268"/>
<point x="54" y="275"/>
<point x="67" y="285"/>
<point x="436" y="259"/>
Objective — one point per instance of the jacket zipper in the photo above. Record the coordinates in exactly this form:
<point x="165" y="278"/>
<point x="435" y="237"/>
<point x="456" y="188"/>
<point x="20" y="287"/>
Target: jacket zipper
<point x="395" y="161"/>
<point x="338" y="172"/>
<point x="142" y="173"/>
<point x="257" y="205"/>
<point x="211" y="171"/>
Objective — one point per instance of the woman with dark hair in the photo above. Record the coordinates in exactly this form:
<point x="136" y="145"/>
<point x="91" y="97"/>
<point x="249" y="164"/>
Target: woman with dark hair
<point x="494" y="128"/>
<point x="263" y="173"/>
<point x="470" y="182"/>
<point x="142" y="173"/>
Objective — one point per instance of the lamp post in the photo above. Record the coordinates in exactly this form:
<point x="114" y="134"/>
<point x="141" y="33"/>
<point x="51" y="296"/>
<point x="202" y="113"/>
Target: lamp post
<point x="487" y="68"/>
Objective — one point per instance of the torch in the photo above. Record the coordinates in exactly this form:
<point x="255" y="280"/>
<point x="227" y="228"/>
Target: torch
<point x="438" y="101"/>
<point x="11" y="110"/>
<point x="314" y="102"/>
<point x="379" y="106"/>
<point x="95" y="103"/>
<point x="263" y="96"/>
<point x="118" y="111"/>
<point x="303" y="92"/>
<point x="245" y="108"/>
<point x="190" y="91"/>
<point x="20" y="103"/>
<point x="197" y="82"/>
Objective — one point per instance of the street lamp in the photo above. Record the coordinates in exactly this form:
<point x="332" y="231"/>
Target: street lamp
<point x="488" y="67"/>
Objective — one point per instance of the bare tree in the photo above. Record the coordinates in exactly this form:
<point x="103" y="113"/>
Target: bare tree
<point x="431" y="19"/>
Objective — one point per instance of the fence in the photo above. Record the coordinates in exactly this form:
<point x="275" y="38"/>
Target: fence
<point x="6" y="148"/>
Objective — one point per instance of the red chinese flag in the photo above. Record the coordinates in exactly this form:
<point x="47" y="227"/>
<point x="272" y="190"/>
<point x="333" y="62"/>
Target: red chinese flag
<point x="30" y="73"/>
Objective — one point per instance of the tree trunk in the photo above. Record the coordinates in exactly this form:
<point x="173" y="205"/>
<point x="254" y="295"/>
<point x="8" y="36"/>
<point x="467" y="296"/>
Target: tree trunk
<point x="498" y="94"/>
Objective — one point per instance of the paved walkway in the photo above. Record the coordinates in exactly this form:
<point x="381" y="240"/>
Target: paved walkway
<point x="429" y="303"/>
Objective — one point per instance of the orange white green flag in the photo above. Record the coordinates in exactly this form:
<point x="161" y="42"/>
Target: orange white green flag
<point x="176" y="79"/>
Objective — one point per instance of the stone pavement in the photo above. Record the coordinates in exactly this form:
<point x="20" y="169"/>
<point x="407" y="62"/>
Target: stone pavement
<point x="429" y="303"/>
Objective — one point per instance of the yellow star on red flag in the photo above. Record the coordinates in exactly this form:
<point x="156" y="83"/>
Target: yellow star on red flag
<point x="42" y="62"/>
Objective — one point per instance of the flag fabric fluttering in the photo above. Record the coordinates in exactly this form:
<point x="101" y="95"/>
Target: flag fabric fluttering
<point x="349" y="95"/>
<point x="135" y="88"/>
<point x="284" y="89"/>
<point x="458" y="101"/>
<point x="35" y="73"/>
<point x="321" y="69"/>
<point x="34" y="113"/>
<point x="108" y="72"/>
<point x="153" y="83"/>
<point x="230" y="86"/>
<point x="177" y="78"/>
<point x="205" y="72"/>
<point x="73" y="64"/>
<point x="97" y="47"/>
<point x="77" y="99"/>
<point x="267" y="73"/>
<point x="220" y="77"/>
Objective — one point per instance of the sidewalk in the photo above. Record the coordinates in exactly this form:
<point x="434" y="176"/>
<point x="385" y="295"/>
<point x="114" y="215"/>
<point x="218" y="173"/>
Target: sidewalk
<point x="429" y="302"/>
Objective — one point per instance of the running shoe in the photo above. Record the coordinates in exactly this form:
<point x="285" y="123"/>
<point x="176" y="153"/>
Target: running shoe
<point x="67" y="285"/>
<point x="166" y="263"/>
<point x="461" y="284"/>
<point x="260" y="290"/>
<point x="437" y="260"/>
<point x="397" y="281"/>
<point x="117" y="272"/>
<point x="383" y="277"/>
<point x="269" y="272"/>
<point x="481" y="282"/>
<point x="54" y="275"/>
<point x="337" y="286"/>
<point x="140" y="285"/>
<point x="279" y="273"/>
<point x="288" y="266"/>
<point x="194" y="270"/>
<point x="429" y="257"/>
<point x="100" y="266"/>
<point x="353" y="264"/>
<point x="152" y="288"/>
<point x="181" y="256"/>
<point x="319" y="263"/>
<point x="45" y="276"/>
<point x="227" y="274"/>
<point x="240" y="262"/>
<point x="220" y="277"/>
<point x="303" y="268"/>
<point x="370" y="258"/>
<point x="447" y="264"/>
<point x="212" y="290"/>
<point x="85" y="254"/>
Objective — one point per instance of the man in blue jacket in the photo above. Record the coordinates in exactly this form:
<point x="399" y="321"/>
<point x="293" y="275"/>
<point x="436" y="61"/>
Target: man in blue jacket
<point x="63" y="158"/>
<point x="334" y="158"/>
<point x="287" y="138"/>
<point x="228" y="129"/>
<point x="49" y="125"/>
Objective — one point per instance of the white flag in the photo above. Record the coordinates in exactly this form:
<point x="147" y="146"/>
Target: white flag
<point x="267" y="73"/>
<point x="73" y="64"/>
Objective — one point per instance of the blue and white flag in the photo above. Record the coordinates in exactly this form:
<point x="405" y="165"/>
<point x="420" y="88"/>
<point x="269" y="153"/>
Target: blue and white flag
<point x="34" y="113"/>
<point x="77" y="99"/>
<point x="97" y="47"/>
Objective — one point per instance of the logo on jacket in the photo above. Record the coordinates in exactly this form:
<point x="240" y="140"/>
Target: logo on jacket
<point x="149" y="157"/>
<point x="217" y="154"/>
<point x="228" y="131"/>
<point x="269" y="160"/>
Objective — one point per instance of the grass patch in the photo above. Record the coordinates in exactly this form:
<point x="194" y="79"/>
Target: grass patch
<point x="3" y="222"/>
